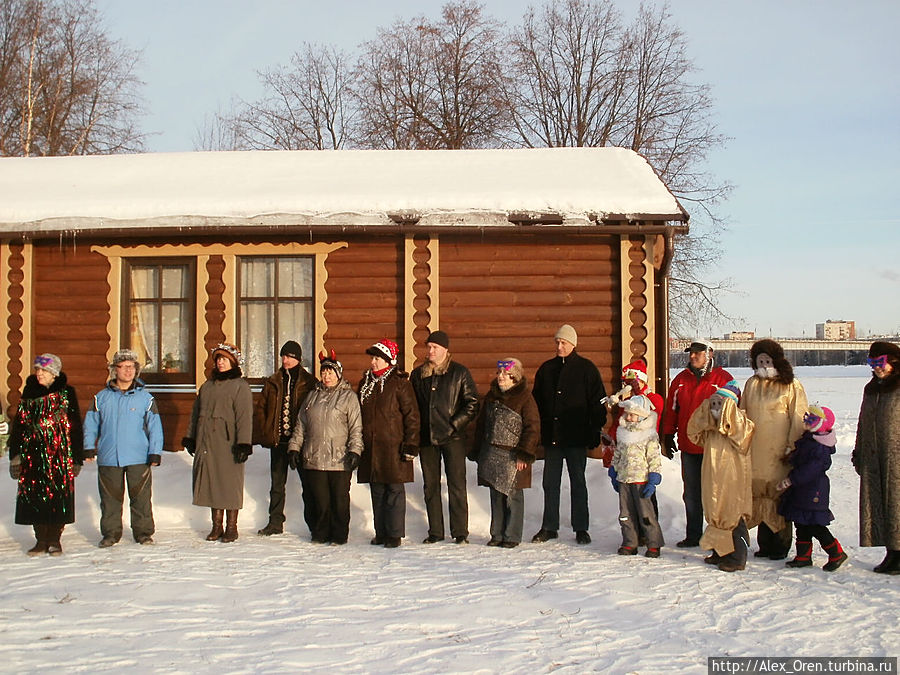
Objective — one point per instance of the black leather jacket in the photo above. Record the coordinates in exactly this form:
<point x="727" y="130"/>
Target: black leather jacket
<point x="448" y="401"/>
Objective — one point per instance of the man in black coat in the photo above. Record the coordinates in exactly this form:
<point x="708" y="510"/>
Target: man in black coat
<point x="568" y="390"/>
<point x="448" y="401"/>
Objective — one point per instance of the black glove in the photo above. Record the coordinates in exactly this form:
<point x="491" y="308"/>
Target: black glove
<point x="353" y="460"/>
<point x="154" y="460"/>
<point x="293" y="459"/>
<point x="669" y="448"/>
<point x="189" y="444"/>
<point x="241" y="452"/>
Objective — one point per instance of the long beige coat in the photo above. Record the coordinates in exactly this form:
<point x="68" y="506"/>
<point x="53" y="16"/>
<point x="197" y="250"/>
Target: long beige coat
<point x="726" y="473"/>
<point x="222" y="418"/>
<point x="777" y="411"/>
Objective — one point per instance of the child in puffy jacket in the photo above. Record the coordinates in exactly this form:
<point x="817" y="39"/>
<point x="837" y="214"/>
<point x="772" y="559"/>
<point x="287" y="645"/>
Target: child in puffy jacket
<point x="806" y="490"/>
<point x="635" y="473"/>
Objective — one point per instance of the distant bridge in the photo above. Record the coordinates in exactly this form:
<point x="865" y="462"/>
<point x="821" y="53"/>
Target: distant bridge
<point x="736" y="353"/>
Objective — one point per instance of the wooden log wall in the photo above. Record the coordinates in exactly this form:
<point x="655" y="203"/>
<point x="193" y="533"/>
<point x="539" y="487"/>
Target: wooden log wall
<point x="508" y="296"/>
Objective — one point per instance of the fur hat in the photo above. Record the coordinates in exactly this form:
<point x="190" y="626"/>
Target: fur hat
<point x="49" y="362"/>
<point x="439" y="337"/>
<point x="888" y="349"/>
<point x="386" y="349"/>
<point x="567" y="333"/>
<point x="776" y="352"/>
<point x="230" y="352"/>
<point x="730" y="390"/>
<point x="639" y="405"/>
<point x="291" y="348"/>
<point x="513" y="367"/>
<point x="819" y="419"/>
<point x="327" y="361"/>
<point x="125" y="355"/>
<point x="635" y="370"/>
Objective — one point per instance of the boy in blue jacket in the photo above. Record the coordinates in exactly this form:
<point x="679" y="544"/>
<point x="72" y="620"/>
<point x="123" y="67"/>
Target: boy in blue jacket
<point x="123" y="431"/>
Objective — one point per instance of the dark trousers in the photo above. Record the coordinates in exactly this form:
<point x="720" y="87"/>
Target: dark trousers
<point x="740" y="537"/>
<point x="278" y="468"/>
<point x="693" y="503"/>
<point x="637" y="518"/>
<point x="576" y="463"/>
<point x="329" y="504"/>
<point x="507" y="515"/>
<point x="775" y="543"/>
<point x="111" y="481"/>
<point x="453" y="455"/>
<point x="820" y="532"/>
<point x="389" y="509"/>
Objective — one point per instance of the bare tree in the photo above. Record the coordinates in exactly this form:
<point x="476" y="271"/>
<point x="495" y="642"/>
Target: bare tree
<point x="424" y="84"/>
<point x="67" y="88"/>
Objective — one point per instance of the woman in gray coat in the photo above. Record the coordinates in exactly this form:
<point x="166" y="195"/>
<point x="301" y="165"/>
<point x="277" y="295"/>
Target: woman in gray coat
<point x="219" y="438"/>
<point x="328" y="435"/>
<point x="876" y="456"/>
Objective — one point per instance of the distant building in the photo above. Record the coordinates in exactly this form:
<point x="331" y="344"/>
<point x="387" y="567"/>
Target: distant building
<point x="836" y="330"/>
<point x="739" y="335"/>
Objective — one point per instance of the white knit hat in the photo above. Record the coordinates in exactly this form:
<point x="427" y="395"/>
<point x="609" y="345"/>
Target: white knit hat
<point x="567" y="333"/>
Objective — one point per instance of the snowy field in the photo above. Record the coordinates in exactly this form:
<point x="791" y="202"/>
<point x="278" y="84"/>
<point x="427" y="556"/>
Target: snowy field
<point x="284" y="605"/>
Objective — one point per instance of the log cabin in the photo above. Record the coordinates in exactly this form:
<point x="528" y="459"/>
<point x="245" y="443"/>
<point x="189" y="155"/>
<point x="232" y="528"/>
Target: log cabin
<point x="170" y="254"/>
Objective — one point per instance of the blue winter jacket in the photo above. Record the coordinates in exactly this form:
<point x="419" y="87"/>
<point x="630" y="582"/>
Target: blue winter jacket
<point x="123" y="426"/>
<point x="806" y="500"/>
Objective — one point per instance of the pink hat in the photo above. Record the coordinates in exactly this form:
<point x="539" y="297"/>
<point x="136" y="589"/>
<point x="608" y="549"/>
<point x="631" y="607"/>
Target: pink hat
<point x="819" y="419"/>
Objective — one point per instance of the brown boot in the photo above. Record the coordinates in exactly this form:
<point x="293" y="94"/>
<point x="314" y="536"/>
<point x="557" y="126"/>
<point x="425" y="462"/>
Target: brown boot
<point x="231" y="532"/>
<point x="40" y="536"/>
<point x="216" y="531"/>
<point x="54" y="533"/>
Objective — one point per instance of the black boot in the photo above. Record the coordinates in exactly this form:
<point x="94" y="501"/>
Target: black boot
<point x="804" y="555"/>
<point x="836" y="556"/>
<point x="891" y="563"/>
<point x="216" y="531"/>
<point x="54" y="534"/>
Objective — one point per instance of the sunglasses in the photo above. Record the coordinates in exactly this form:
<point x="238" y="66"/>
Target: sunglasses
<point x="505" y="366"/>
<point x="878" y="361"/>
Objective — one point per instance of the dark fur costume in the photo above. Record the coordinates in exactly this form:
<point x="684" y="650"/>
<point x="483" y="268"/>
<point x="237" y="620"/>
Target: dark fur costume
<point x="776" y="352"/>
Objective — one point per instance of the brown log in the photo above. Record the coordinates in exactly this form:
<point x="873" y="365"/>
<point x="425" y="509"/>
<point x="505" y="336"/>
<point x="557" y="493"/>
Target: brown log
<point x="505" y="301"/>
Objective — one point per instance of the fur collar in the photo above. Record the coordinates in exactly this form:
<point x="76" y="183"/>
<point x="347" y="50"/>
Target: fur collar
<point x="636" y="432"/>
<point x="231" y="374"/>
<point x="34" y="389"/>
<point x="429" y="369"/>
<point x="883" y="386"/>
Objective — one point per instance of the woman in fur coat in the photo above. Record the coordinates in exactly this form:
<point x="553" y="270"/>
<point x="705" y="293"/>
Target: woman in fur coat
<point x="775" y="401"/>
<point x="876" y="456"/>
<point x="46" y="452"/>
<point x="219" y="438"/>
<point x="507" y="433"/>
<point x="390" y="432"/>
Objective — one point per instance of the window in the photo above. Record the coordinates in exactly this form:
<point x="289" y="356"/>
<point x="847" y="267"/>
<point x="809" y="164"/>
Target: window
<point x="158" y="318"/>
<point x="275" y="305"/>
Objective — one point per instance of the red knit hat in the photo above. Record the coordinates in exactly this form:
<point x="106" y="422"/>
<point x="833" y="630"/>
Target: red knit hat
<point x="386" y="349"/>
<point x="635" y="370"/>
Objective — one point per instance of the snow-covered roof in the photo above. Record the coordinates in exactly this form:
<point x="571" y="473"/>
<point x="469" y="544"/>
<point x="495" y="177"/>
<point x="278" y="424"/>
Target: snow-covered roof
<point x="346" y="187"/>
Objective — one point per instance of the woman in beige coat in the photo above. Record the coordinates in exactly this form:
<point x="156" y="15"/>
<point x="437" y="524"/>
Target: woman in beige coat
<point x="219" y="438"/>
<point x="776" y="402"/>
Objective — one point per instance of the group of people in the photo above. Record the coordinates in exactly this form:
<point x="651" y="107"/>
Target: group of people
<point x="756" y="458"/>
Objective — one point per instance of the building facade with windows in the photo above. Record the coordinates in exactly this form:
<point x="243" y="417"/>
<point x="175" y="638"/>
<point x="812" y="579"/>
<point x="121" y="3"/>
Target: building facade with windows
<point x="170" y="254"/>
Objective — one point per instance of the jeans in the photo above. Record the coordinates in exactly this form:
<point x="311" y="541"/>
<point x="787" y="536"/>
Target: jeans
<point x="453" y="454"/>
<point x="111" y="481"/>
<point x="693" y="503"/>
<point x="576" y="462"/>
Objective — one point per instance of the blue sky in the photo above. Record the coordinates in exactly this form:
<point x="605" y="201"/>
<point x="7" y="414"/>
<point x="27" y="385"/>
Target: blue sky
<point x="806" y="90"/>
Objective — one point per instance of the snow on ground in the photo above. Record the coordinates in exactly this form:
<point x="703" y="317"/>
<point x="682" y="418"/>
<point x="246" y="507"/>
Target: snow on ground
<point x="284" y="605"/>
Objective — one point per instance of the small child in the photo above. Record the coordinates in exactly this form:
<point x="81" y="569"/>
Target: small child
<point x="805" y="500"/>
<point x="635" y="474"/>
<point x="724" y="431"/>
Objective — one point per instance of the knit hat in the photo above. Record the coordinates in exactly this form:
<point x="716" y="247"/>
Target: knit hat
<point x="125" y="355"/>
<point x="819" y="419"/>
<point x="638" y="405"/>
<point x="49" y="362"/>
<point x="730" y="390"/>
<point x="439" y="337"/>
<point x="513" y="368"/>
<point x="386" y="349"/>
<point x="698" y="345"/>
<point x="230" y="352"/>
<point x="292" y="349"/>
<point x="567" y="333"/>
<point x="330" y="361"/>
<point x="635" y="370"/>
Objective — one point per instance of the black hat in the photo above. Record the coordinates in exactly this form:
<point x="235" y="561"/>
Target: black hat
<point x="292" y="349"/>
<point x="439" y="337"/>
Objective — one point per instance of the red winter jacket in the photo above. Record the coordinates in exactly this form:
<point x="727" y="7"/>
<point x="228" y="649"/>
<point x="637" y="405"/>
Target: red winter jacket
<point x="686" y="393"/>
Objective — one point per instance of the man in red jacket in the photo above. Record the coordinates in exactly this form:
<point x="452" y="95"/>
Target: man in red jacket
<point x="688" y="390"/>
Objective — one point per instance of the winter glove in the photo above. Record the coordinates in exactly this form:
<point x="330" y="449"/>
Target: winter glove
<point x="353" y="460"/>
<point x="653" y="479"/>
<point x="90" y="454"/>
<point x="15" y="468"/>
<point x="614" y="477"/>
<point x="783" y="485"/>
<point x="154" y="460"/>
<point x="669" y="447"/>
<point x="189" y="444"/>
<point x="241" y="452"/>
<point x="293" y="459"/>
<point x="76" y="470"/>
